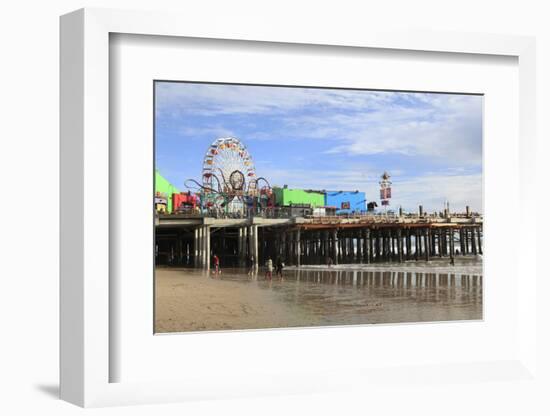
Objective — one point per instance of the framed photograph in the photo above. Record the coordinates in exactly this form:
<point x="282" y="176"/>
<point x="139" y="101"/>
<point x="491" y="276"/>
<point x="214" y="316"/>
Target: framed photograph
<point x="286" y="230"/>
<point x="275" y="212"/>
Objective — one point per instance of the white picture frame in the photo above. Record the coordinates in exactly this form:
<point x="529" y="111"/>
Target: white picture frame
<point x="85" y="217"/>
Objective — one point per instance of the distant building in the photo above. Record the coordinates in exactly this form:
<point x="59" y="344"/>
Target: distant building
<point x="285" y="197"/>
<point x="346" y="202"/>
<point x="164" y="190"/>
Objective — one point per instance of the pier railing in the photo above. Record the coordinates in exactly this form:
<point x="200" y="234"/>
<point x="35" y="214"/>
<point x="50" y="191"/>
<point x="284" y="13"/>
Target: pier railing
<point x="286" y="212"/>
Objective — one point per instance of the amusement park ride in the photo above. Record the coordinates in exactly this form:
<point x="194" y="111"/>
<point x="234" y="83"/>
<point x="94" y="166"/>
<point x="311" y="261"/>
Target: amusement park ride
<point x="229" y="181"/>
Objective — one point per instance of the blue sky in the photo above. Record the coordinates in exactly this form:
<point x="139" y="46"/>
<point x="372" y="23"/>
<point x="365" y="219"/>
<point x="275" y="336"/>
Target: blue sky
<point x="431" y="144"/>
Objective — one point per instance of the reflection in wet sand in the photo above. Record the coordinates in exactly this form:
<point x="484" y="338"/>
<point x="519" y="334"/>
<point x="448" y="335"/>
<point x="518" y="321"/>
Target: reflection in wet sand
<point x="313" y="297"/>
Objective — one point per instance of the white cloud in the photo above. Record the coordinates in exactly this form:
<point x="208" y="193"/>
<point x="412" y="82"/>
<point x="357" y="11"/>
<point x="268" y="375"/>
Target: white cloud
<point x="214" y="131"/>
<point x="442" y="126"/>
<point x="211" y="99"/>
<point x="450" y="129"/>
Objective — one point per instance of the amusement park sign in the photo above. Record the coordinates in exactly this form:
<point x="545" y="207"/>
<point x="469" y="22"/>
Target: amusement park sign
<point x="385" y="189"/>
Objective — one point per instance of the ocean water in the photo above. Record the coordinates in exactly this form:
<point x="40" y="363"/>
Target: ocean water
<point x="374" y="294"/>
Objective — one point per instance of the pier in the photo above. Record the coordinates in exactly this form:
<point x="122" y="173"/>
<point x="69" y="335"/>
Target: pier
<point x="191" y="240"/>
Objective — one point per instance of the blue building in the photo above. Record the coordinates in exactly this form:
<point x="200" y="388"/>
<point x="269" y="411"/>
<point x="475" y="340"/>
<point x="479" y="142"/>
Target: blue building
<point x="346" y="202"/>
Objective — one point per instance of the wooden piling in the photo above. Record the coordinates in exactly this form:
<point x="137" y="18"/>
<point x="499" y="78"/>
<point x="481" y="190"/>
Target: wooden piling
<point x="409" y="244"/>
<point x="335" y="245"/>
<point x="417" y="244"/>
<point x="368" y="246"/>
<point x="452" y="244"/>
<point x="400" y="245"/>
<point x="427" y="243"/>
<point x="359" y="244"/>
<point x="299" y="246"/>
<point x="478" y="232"/>
<point x="474" y="245"/>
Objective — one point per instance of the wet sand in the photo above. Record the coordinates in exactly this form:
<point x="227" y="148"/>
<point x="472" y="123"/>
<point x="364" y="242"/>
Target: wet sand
<point x="190" y="300"/>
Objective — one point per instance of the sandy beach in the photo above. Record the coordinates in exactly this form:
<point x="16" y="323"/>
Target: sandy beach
<point x="190" y="300"/>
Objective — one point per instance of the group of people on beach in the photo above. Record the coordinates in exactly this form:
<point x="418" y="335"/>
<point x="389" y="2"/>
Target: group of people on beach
<point x="279" y="265"/>
<point x="251" y="266"/>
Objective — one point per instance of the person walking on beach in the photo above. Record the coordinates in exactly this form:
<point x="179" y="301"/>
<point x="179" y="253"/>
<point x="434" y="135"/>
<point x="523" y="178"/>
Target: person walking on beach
<point x="216" y="261"/>
<point x="269" y="269"/>
<point x="279" y="267"/>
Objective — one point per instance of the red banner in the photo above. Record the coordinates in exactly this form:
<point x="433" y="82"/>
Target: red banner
<point x="385" y="193"/>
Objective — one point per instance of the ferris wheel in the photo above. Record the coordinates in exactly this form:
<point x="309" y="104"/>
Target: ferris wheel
<point x="228" y="172"/>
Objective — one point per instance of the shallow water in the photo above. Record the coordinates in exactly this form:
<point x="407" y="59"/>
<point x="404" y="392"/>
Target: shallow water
<point x="364" y="294"/>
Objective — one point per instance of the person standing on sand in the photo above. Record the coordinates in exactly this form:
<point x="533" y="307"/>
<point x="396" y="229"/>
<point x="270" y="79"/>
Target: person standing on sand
<point x="269" y="269"/>
<point x="216" y="261"/>
<point x="279" y="267"/>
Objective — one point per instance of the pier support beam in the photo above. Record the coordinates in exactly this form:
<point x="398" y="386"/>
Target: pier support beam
<point x="408" y="243"/>
<point x="318" y="248"/>
<point x="201" y="247"/>
<point x="335" y="246"/>
<point x="380" y="245"/>
<point x="400" y="245"/>
<point x="478" y="232"/>
<point x="207" y="230"/>
<point x="298" y="247"/>
<point x="385" y="245"/>
<point x="371" y="246"/>
<point x="241" y="245"/>
<point x="325" y="249"/>
<point x="417" y="244"/>
<point x="196" y="245"/>
<point x="427" y="243"/>
<point x="253" y="242"/>
<point x="368" y="248"/>
<point x="359" y="240"/>
<point x="289" y="237"/>
<point x="452" y="244"/>
<point x="205" y="247"/>
<point x="352" y="247"/>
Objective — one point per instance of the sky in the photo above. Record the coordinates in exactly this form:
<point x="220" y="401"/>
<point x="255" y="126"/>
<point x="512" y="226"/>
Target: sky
<point x="332" y="139"/>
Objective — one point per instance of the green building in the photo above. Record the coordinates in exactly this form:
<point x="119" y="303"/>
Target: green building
<point x="164" y="187"/>
<point x="285" y="197"/>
